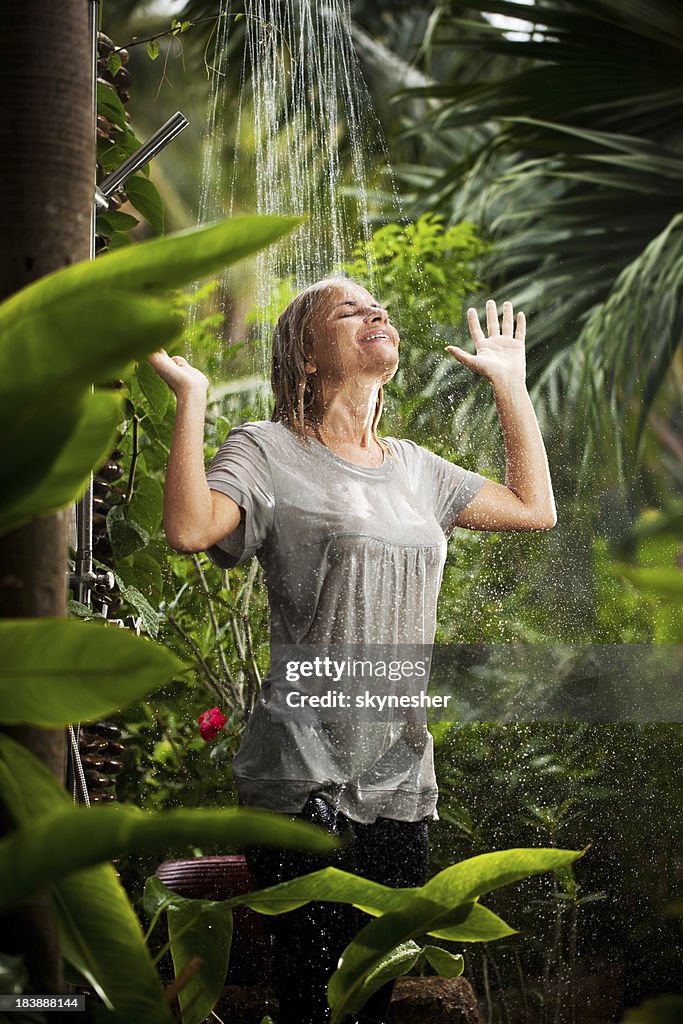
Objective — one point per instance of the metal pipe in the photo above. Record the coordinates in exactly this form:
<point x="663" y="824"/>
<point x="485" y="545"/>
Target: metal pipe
<point x="155" y="143"/>
<point x="84" y="578"/>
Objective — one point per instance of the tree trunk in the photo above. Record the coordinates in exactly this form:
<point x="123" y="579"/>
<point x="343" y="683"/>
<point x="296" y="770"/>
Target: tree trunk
<point x="46" y="192"/>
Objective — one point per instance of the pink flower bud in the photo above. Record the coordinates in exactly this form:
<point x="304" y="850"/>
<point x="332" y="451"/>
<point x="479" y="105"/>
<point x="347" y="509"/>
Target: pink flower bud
<point x="210" y="723"/>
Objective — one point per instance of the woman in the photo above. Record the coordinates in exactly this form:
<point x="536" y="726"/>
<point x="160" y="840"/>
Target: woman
<point x="351" y="531"/>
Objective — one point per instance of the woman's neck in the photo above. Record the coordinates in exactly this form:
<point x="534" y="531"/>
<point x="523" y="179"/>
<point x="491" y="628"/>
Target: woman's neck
<point x="345" y="419"/>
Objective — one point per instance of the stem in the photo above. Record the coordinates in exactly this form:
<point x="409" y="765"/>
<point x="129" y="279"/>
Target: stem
<point x="174" y="32"/>
<point x="254" y="676"/>
<point x="212" y="683"/>
<point x="558" y="960"/>
<point x="572" y="961"/>
<point x="181" y="931"/>
<point x="214" y="624"/>
<point x="164" y="76"/>
<point x="135" y="41"/>
<point x="167" y="736"/>
<point x="522" y="985"/>
<point x="487" y="986"/>
<point x="209" y="67"/>
<point x="237" y="637"/>
<point x="501" y="991"/>
<point x="155" y="920"/>
<point x="134" y="459"/>
<point x="246" y="592"/>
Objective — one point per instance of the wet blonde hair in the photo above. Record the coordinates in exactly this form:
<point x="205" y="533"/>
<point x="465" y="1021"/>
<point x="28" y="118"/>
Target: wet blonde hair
<point x="293" y="387"/>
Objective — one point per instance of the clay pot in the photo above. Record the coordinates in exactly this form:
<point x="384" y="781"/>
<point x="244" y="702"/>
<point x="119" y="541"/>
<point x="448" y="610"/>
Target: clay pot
<point x="221" y="878"/>
<point x="433" y="1001"/>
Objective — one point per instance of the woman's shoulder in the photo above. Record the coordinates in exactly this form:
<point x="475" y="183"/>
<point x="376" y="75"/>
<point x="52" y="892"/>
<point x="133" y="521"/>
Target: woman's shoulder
<point x="259" y="430"/>
<point x="404" y="448"/>
<point x="267" y="435"/>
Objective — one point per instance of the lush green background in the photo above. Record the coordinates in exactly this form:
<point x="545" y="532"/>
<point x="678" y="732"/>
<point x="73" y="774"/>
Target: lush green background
<point x="543" y="167"/>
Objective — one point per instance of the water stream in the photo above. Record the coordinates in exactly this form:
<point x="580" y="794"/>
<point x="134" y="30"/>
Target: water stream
<point x="304" y="118"/>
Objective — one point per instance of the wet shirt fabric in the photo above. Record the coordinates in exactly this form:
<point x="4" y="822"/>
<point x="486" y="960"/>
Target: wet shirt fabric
<point x="351" y="555"/>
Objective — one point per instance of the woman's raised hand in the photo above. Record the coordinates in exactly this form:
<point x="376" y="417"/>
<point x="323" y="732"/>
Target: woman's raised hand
<point x="500" y="356"/>
<point x="177" y="372"/>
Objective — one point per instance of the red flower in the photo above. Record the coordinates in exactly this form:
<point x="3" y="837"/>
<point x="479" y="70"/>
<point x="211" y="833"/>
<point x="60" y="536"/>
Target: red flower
<point x="210" y="723"/>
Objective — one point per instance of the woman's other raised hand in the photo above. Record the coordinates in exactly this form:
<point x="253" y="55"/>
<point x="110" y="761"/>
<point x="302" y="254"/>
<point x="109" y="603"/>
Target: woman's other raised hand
<point x="500" y="356"/>
<point x="180" y="376"/>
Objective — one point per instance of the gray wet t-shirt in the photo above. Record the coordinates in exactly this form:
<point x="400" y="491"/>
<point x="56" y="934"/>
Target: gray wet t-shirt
<point x="351" y="555"/>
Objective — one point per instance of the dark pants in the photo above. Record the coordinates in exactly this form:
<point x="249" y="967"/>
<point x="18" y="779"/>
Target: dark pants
<point x="308" y="942"/>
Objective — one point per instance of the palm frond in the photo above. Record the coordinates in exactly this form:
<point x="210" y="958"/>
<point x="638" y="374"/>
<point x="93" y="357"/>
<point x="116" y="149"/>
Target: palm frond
<point x="571" y="161"/>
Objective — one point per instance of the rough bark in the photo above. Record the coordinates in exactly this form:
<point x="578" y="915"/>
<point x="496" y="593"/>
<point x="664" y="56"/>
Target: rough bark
<point x="46" y="188"/>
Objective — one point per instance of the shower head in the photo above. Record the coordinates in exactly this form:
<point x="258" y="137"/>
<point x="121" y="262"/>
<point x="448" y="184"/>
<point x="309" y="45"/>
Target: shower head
<point x="155" y="143"/>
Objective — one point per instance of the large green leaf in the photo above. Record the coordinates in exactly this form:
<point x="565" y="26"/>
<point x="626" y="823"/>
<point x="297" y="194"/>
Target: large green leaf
<point x="663" y="583"/>
<point x="153" y="267"/>
<point x="101" y="937"/>
<point x="78" y="837"/>
<point x="662" y="1010"/>
<point x="73" y="838"/>
<point x="396" y="962"/>
<point x="446" y="964"/>
<point x="335" y="886"/>
<point x="196" y="928"/>
<point x="56" y="671"/>
<point x="443" y="902"/>
<point x="99" y="932"/>
<point x="48" y="359"/>
<point x="64" y="481"/>
<point x="446" y="907"/>
<point x="402" y="959"/>
<point x="204" y="932"/>
<point x="78" y="337"/>
<point x="144" y="197"/>
<point x="86" y="323"/>
<point x="147" y="504"/>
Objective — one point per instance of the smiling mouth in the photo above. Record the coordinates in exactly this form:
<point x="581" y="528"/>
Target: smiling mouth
<point x="376" y="336"/>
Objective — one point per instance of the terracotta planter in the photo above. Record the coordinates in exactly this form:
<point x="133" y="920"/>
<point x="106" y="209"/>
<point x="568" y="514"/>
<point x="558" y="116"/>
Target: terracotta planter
<point x="221" y="878"/>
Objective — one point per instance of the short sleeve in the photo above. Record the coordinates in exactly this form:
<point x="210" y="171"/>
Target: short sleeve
<point x="449" y="487"/>
<point x="240" y="469"/>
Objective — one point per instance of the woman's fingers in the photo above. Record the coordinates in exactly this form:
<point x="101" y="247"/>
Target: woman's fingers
<point x="508" y="320"/>
<point x="492" y="318"/>
<point x="159" y="358"/>
<point x="474" y="325"/>
<point x="520" y="330"/>
<point x="510" y="324"/>
<point x="466" y="358"/>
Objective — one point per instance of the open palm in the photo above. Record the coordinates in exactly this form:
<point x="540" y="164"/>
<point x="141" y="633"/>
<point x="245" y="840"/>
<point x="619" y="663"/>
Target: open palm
<point x="500" y="356"/>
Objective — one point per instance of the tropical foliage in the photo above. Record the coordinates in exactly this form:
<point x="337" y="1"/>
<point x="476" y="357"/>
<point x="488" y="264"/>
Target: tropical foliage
<point x="547" y="164"/>
<point x="565" y="148"/>
<point x="99" y="933"/>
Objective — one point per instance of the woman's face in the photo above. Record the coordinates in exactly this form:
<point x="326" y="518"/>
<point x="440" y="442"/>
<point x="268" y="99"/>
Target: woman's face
<point x="350" y="337"/>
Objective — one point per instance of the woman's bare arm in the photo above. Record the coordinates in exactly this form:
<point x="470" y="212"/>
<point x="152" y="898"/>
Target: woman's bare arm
<point x="525" y="501"/>
<point x="195" y="517"/>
